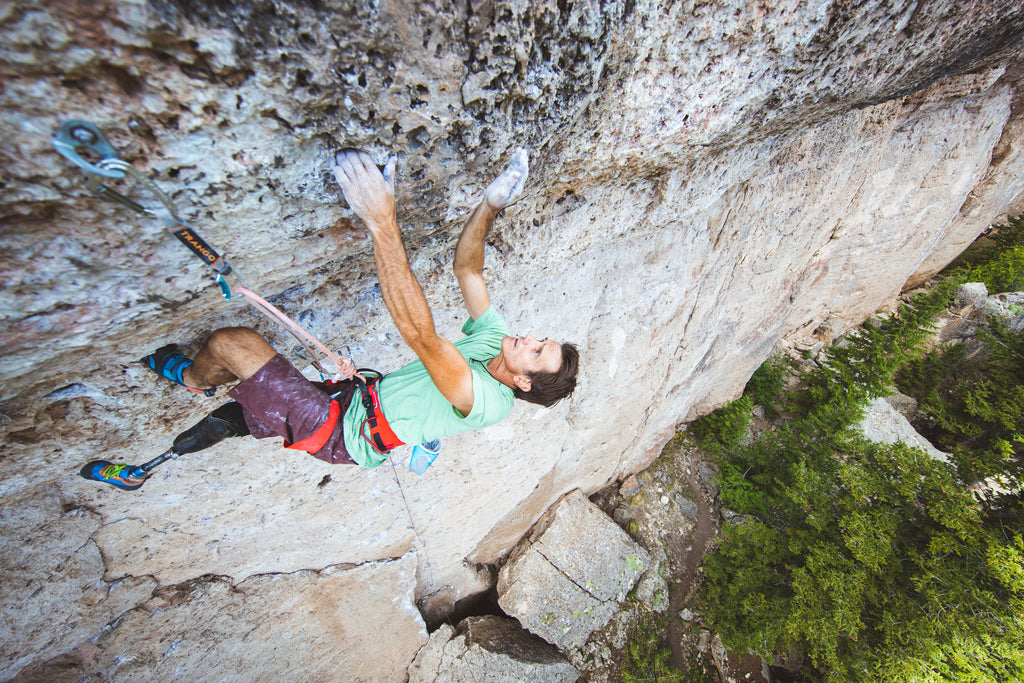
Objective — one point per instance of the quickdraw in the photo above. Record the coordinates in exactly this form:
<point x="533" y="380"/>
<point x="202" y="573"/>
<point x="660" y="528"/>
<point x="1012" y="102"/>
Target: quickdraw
<point x="75" y="134"/>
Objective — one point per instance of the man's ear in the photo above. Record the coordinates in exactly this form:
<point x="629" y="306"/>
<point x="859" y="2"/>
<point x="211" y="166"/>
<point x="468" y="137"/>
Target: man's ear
<point x="522" y="382"/>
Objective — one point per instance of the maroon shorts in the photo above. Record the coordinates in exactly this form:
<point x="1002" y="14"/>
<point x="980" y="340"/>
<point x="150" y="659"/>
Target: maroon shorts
<point x="278" y="401"/>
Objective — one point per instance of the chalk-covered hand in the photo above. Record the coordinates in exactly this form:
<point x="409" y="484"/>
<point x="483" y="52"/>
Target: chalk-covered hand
<point x="370" y="193"/>
<point x="507" y="187"/>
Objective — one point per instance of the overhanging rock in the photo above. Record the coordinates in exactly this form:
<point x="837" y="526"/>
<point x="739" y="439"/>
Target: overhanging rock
<point x="569" y="577"/>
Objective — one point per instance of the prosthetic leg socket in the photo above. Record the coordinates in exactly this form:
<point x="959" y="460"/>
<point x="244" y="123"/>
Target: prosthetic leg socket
<point x="223" y="423"/>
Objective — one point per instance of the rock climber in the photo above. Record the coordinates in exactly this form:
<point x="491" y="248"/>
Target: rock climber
<point x="452" y="388"/>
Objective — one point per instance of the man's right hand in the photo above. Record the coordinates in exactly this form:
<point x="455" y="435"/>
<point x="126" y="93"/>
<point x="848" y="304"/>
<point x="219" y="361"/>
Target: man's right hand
<point x="370" y="193"/>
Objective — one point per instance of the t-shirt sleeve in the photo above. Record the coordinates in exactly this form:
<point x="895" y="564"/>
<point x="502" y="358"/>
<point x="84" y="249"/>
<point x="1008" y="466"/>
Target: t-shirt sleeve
<point x="489" y="324"/>
<point x="491" y="399"/>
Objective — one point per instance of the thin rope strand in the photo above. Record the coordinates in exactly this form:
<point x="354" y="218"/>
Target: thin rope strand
<point x="412" y="523"/>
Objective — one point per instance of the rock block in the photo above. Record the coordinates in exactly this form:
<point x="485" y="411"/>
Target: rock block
<point x="882" y="423"/>
<point x="489" y="648"/>
<point x="315" y="626"/>
<point x="970" y="294"/>
<point x="570" y="578"/>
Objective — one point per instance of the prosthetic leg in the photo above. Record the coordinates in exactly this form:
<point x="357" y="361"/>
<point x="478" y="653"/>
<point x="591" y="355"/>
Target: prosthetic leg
<point x="224" y="422"/>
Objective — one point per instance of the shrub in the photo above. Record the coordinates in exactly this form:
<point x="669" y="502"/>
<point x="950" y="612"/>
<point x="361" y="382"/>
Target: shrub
<point x="975" y="402"/>
<point x="874" y="561"/>
<point x="646" y="657"/>
<point x="724" y="428"/>
<point x="766" y="384"/>
<point x="1001" y="267"/>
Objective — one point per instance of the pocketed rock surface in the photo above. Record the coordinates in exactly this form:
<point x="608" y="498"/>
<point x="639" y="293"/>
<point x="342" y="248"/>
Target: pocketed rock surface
<point x="707" y="179"/>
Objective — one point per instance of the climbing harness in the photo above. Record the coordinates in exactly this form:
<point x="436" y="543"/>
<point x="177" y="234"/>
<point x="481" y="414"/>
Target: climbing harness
<point x="380" y="436"/>
<point x="375" y="429"/>
<point x="75" y="134"/>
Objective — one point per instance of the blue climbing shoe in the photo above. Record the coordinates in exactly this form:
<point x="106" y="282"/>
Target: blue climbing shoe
<point x="115" y="474"/>
<point x="170" y="363"/>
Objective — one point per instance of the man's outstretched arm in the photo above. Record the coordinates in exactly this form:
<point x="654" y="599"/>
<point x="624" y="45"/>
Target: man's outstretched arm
<point x="372" y="196"/>
<point x="469" y="253"/>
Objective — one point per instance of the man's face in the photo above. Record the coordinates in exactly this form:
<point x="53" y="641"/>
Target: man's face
<point x="527" y="354"/>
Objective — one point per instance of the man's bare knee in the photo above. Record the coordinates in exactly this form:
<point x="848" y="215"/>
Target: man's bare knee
<point x="228" y="342"/>
<point x="240" y="350"/>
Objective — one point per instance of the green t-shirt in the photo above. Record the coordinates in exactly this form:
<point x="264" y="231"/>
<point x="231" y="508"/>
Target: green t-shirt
<point x="416" y="410"/>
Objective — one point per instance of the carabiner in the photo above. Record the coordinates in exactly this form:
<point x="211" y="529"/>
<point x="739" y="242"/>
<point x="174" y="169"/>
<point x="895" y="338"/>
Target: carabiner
<point x="75" y="133"/>
<point x="222" y="281"/>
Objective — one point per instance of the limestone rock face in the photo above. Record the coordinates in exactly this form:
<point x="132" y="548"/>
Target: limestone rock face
<point x="569" y="578"/>
<point x="707" y="178"/>
<point x="273" y="627"/>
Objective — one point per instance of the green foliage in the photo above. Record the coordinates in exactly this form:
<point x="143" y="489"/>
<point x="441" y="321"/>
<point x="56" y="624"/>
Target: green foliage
<point x="1002" y="266"/>
<point x="1003" y="274"/>
<point x="875" y="561"/>
<point x="725" y="427"/>
<point x="865" y="365"/>
<point x="975" y="402"/>
<point x="647" y="658"/>
<point x="882" y="571"/>
<point x="766" y="384"/>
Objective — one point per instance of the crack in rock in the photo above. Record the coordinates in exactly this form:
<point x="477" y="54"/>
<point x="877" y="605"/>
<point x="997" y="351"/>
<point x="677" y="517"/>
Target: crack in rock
<point x="569" y="578"/>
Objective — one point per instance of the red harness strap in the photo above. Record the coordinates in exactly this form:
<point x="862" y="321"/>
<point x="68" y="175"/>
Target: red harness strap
<point x="315" y="441"/>
<point x="381" y="438"/>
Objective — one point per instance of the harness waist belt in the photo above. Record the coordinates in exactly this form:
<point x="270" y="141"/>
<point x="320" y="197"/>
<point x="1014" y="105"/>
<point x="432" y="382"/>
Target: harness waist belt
<point x="375" y="428"/>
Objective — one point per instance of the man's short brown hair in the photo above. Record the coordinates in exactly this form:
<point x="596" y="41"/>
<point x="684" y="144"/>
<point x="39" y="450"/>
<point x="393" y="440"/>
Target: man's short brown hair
<point x="548" y="388"/>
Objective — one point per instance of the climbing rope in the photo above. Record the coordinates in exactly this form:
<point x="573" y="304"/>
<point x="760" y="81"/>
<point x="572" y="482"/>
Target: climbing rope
<point x="75" y="134"/>
<point x="412" y="522"/>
